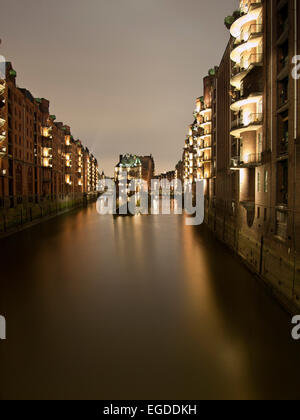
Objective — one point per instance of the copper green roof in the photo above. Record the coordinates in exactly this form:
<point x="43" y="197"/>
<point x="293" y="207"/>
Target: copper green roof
<point x="130" y="161"/>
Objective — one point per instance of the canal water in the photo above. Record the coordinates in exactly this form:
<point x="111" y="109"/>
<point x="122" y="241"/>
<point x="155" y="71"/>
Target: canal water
<point x="137" y="308"/>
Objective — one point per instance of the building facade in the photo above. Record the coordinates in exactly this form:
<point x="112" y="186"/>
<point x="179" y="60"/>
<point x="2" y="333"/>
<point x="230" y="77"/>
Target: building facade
<point x="252" y="169"/>
<point x="39" y="158"/>
<point x="199" y="156"/>
<point x="137" y="168"/>
<point x="148" y="169"/>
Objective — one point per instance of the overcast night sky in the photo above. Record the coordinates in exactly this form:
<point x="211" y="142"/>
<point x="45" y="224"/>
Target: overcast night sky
<point x="124" y="74"/>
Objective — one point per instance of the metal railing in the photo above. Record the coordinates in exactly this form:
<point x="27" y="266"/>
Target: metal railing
<point x="247" y="4"/>
<point x="253" y="30"/>
<point x="253" y="158"/>
<point x="252" y="60"/>
<point x="250" y="160"/>
<point x="252" y="119"/>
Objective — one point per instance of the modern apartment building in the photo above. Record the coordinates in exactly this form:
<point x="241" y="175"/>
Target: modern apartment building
<point x="39" y="158"/>
<point x="252" y="168"/>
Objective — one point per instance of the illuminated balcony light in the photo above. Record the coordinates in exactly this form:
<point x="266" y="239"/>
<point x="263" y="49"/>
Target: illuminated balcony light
<point x="206" y="135"/>
<point x="236" y="54"/>
<point x="240" y="71"/>
<point x="252" y="15"/>
<point x="205" y="124"/>
<point x="250" y="122"/>
<point x="47" y="163"/>
<point x="236" y="106"/>
<point x="46" y="152"/>
<point x="3" y="150"/>
<point x="2" y="87"/>
<point x="46" y="131"/>
<point x="205" y="111"/>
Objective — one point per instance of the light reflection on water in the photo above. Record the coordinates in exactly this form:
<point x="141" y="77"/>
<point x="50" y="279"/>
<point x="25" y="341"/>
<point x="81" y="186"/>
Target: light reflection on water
<point x="137" y="308"/>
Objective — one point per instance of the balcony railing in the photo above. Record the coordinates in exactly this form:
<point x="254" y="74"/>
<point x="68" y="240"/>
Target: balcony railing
<point x="248" y="4"/>
<point x="252" y="160"/>
<point x="254" y="30"/>
<point x="252" y="119"/>
<point x="252" y="60"/>
<point x="3" y="151"/>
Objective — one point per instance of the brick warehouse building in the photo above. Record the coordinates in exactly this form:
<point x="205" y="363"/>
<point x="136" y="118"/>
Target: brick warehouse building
<point x="252" y="203"/>
<point x="39" y="158"/>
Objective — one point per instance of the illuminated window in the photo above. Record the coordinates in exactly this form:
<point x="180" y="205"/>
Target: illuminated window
<point x="258" y="182"/>
<point x="266" y="181"/>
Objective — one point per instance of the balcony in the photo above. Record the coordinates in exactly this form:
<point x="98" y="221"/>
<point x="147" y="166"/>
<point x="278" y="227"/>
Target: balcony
<point x="205" y="110"/>
<point x="240" y="101"/>
<point x="204" y="147"/>
<point x="238" y="52"/>
<point x="2" y="87"/>
<point x="255" y="30"/>
<point x="252" y="10"/>
<point x="3" y="151"/>
<point x="203" y="160"/>
<point x="47" y="162"/>
<point x="250" y="123"/>
<point x="2" y="136"/>
<point x="203" y="136"/>
<point x="239" y="72"/>
<point x="251" y="161"/>
<point x="205" y="123"/>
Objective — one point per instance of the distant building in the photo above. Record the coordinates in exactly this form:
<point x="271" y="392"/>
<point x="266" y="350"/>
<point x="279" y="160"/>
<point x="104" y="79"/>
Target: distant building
<point x="131" y="164"/>
<point x="39" y="158"/>
<point x="179" y="171"/>
<point x="137" y="167"/>
<point x="148" y="169"/>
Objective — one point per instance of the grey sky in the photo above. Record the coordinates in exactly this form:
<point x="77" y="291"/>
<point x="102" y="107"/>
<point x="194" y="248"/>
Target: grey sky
<point x="123" y="73"/>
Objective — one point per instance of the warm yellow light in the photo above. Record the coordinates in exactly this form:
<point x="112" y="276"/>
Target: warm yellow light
<point x="237" y="26"/>
<point x="236" y="54"/>
<point x="205" y="111"/>
<point x="45" y="132"/>
<point x="251" y="100"/>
